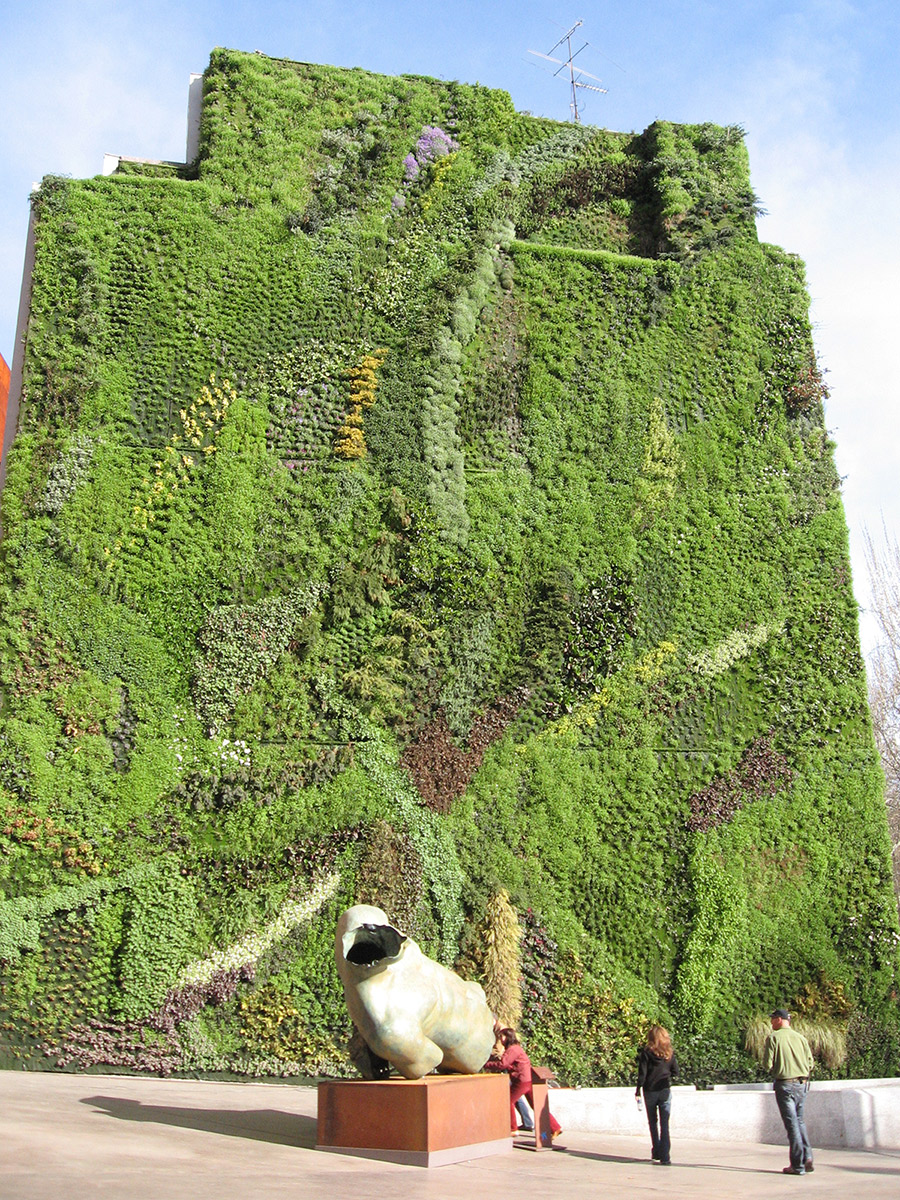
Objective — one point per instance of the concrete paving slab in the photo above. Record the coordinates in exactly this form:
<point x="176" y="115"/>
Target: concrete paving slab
<point x="96" y="1137"/>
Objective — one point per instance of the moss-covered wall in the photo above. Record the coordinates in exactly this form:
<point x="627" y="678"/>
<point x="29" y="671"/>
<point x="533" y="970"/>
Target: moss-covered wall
<point x="420" y="502"/>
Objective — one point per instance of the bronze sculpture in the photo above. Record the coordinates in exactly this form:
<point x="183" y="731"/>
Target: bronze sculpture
<point x="410" y="1011"/>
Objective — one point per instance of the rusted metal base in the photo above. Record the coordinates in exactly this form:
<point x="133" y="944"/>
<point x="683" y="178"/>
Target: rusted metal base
<point x="423" y="1122"/>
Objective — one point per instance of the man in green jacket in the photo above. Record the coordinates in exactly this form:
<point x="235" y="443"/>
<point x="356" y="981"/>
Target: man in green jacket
<point x="788" y="1059"/>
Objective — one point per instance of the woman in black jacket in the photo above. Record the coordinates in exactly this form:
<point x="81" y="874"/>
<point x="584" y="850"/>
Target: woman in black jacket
<point x="657" y="1067"/>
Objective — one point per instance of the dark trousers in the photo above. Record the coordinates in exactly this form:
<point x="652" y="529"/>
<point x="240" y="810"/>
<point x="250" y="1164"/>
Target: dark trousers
<point x="791" y="1097"/>
<point x="659" y="1105"/>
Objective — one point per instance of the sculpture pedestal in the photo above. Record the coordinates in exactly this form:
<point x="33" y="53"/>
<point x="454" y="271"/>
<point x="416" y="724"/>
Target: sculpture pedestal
<point x="423" y="1122"/>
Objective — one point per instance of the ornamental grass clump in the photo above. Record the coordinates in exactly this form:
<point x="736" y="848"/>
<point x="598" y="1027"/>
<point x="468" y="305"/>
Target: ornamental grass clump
<point x="827" y="1038"/>
<point x="502" y="960"/>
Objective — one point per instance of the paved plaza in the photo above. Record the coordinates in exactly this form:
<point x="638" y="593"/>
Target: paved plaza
<point x="101" y="1137"/>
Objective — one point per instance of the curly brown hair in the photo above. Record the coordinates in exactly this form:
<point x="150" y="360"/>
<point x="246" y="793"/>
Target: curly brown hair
<point x="659" y="1042"/>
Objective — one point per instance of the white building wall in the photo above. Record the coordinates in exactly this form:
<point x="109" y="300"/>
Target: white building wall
<point x="852" y="1114"/>
<point x="195" y="103"/>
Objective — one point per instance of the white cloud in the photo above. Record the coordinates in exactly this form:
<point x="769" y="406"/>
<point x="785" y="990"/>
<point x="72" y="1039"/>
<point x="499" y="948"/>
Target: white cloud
<point x="836" y="218"/>
<point x="100" y="100"/>
<point x="73" y="89"/>
<point x="826" y="187"/>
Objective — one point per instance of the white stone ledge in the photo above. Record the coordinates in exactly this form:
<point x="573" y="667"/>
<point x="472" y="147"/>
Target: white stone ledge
<point x="860" y="1114"/>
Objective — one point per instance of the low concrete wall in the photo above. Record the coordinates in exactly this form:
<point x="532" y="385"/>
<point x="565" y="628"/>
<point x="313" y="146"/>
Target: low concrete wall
<point x="861" y="1114"/>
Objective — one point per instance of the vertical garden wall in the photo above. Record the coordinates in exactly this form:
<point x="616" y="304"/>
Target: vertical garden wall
<point x="423" y="503"/>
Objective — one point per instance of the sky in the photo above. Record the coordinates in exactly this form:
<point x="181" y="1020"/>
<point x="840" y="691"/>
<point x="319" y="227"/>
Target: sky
<point x="813" y="82"/>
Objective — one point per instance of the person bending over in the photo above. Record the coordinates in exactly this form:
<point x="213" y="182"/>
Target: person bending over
<point x="509" y="1056"/>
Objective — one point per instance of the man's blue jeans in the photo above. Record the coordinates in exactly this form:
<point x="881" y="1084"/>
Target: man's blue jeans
<point x="659" y="1105"/>
<point x="791" y="1097"/>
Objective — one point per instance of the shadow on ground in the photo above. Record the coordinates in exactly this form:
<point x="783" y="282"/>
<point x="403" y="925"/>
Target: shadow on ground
<point x="695" y="1166"/>
<point x="259" y="1124"/>
<point x="869" y="1170"/>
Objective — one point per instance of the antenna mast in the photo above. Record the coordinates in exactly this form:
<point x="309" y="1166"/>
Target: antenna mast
<point x="576" y="76"/>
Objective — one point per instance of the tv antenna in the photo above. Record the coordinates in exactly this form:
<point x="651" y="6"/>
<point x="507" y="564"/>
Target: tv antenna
<point x="576" y="75"/>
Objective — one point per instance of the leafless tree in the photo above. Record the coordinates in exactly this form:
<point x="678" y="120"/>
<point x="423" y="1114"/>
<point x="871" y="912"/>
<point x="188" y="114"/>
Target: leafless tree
<point x="883" y="561"/>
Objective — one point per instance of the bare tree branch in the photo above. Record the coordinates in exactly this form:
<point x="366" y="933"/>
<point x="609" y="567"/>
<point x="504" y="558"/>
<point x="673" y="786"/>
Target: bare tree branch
<point x="883" y="561"/>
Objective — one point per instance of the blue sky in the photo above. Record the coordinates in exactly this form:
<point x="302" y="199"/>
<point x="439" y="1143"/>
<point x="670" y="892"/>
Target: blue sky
<point x="814" y="83"/>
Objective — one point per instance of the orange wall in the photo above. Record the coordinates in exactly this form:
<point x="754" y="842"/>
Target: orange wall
<point x="4" y="393"/>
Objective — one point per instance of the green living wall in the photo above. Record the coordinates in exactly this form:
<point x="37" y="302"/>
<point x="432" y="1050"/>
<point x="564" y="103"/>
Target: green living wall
<point x="423" y="503"/>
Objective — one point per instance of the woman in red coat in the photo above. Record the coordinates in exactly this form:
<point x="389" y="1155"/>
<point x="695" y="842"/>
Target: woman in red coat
<point x="509" y="1056"/>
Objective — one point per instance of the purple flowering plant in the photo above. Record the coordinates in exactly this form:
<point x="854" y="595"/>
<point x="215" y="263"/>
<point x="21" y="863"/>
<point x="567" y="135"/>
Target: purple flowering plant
<point x="432" y="143"/>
